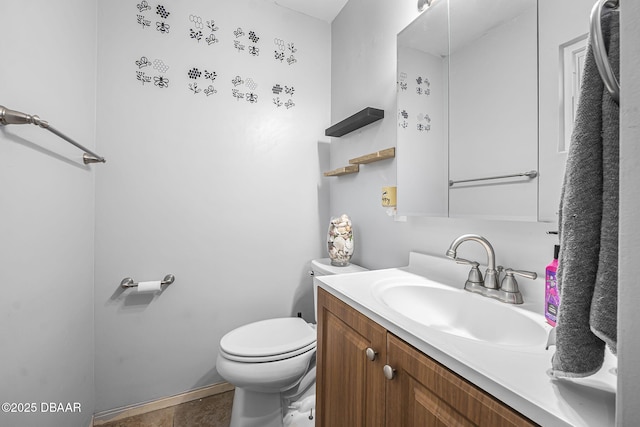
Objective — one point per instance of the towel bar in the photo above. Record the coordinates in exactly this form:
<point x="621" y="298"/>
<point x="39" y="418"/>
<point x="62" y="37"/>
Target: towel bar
<point x="599" y="49"/>
<point x="530" y="174"/>
<point x="12" y="117"/>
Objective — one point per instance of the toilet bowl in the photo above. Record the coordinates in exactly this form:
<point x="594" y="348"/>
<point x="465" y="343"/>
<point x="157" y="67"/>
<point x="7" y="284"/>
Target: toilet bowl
<point x="268" y="356"/>
<point x="272" y="361"/>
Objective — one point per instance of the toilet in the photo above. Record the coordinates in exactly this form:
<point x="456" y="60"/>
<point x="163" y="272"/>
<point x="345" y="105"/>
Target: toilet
<point x="272" y="365"/>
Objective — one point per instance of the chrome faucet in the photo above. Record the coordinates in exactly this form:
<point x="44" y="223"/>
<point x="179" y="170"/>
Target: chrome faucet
<point x="490" y="286"/>
<point x="491" y="275"/>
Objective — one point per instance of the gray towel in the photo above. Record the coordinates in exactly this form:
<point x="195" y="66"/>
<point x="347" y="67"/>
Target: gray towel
<point x="588" y="262"/>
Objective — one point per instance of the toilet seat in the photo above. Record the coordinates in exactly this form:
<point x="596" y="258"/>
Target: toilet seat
<point x="269" y="340"/>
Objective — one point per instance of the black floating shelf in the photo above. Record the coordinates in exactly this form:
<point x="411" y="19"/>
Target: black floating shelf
<point x="358" y="120"/>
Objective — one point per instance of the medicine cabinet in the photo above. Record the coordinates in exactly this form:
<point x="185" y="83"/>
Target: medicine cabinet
<point x="485" y="101"/>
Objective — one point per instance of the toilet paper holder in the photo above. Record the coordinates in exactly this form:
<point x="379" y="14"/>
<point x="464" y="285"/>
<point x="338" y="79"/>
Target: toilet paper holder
<point x="128" y="282"/>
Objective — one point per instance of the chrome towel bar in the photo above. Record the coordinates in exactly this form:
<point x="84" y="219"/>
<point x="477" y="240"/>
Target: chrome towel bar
<point x="599" y="49"/>
<point x="12" y="117"/>
<point x="530" y="174"/>
<point x="128" y="282"/>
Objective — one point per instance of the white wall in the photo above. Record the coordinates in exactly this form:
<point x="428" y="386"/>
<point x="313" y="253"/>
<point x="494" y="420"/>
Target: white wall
<point x="221" y="192"/>
<point x="628" y="410"/>
<point x="47" y="204"/>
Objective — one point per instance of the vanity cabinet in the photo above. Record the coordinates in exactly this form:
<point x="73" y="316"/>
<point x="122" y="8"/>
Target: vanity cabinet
<point x="353" y="354"/>
<point x="350" y="388"/>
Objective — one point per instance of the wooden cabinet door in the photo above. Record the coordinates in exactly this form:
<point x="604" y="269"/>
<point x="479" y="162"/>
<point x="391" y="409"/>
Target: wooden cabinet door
<point x="350" y="388"/>
<point x="424" y="393"/>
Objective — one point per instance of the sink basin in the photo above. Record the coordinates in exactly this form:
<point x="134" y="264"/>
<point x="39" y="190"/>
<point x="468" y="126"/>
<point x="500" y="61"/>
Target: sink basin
<point x="461" y="313"/>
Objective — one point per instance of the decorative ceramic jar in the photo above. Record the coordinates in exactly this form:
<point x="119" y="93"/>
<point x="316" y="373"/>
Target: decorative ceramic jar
<point x="340" y="240"/>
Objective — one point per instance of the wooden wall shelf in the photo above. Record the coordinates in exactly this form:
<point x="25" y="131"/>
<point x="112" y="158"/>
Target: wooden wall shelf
<point x="387" y="153"/>
<point x="358" y="120"/>
<point x="354" y="164"/>
<point x="343" y="171"/>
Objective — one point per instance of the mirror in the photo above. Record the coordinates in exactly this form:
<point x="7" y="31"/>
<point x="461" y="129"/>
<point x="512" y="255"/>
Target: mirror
<point x="422" y="104"/>
<point x="472" y="106"/>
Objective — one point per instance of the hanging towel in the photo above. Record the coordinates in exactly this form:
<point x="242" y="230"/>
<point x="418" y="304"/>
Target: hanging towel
<point x="604" y="305"/>
<point x="588" y="224"/>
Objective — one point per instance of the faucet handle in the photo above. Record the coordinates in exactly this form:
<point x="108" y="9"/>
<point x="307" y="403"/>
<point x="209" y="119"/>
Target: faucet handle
<point x="475" y="276"/>
<point x="528" y="274"/>
<point x="473" y="264"/>
<point x="475" y="282"/>
<point x="509" y="283"/>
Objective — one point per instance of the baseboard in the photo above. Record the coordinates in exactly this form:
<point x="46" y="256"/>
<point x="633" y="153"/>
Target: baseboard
<point x="111" y="415"/>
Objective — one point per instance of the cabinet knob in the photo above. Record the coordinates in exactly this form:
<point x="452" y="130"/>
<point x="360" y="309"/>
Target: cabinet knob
<point x="371" y="354"/>
<point x="389" y="372"/>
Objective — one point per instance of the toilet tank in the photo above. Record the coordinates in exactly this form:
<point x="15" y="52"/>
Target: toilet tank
<point x="323" y="267"/>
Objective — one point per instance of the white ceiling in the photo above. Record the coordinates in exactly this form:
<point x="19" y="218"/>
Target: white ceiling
<point x="325" y="10"/>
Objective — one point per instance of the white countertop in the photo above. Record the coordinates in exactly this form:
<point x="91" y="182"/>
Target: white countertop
<point x="516" y="375"/>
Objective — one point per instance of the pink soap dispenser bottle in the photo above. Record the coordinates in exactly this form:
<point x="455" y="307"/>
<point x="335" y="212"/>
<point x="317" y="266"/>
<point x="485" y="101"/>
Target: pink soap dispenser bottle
<point x="552" y="294"/>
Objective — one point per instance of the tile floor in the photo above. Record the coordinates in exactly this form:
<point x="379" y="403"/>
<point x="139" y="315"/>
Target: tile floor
<point x="212" y="411"/>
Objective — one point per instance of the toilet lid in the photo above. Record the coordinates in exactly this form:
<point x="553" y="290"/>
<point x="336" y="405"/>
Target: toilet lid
<point x="269" y="338"/>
